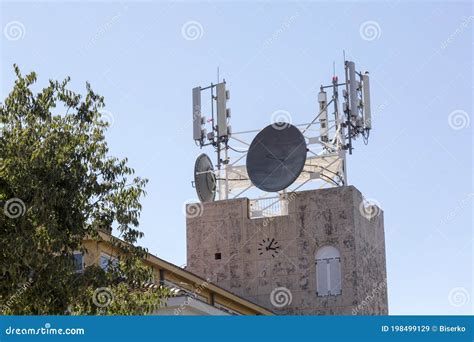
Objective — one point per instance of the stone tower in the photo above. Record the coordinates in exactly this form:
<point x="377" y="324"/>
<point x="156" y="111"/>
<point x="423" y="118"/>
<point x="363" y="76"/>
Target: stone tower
<point x="325" y="257"/>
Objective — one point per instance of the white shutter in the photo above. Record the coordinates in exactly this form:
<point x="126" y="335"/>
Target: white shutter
<point x="335" y="276"/>
<point x="322" y="277"/>
<point x="107" y="261"/>
<point x="104" y="262"/>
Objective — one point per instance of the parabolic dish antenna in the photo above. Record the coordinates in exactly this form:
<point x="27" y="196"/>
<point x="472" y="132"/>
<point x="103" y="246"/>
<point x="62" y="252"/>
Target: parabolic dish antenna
<point x="276" y="157"/>
<point x="204" y="178"/>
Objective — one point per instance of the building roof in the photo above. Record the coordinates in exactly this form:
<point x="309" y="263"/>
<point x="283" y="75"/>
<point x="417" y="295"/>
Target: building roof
<point x="194" y="291"/>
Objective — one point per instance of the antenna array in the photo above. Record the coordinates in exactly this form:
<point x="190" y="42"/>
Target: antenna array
<point x="328" y="138"/>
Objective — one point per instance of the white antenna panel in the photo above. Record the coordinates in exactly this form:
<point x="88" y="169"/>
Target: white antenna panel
<point x="221" y="110"/>
<point x="197" y="119"/>
<point x="366" y="100"/>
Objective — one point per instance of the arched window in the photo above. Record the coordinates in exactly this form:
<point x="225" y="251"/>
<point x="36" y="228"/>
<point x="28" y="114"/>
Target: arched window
<point x="328" y="271"/>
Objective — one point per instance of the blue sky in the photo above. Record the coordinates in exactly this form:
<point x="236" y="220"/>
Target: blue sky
<point x="418" y="164"/>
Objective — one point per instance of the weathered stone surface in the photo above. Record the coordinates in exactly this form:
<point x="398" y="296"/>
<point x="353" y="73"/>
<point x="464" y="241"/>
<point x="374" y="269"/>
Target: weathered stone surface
<point x="316" y="218"/>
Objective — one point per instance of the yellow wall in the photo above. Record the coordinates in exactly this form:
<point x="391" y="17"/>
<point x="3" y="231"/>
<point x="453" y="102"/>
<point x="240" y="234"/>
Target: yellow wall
<point x="186" y="280"/>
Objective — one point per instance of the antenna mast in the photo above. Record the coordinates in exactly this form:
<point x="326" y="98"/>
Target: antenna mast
<point x="220" y="132"/>
<point x="328" y="137"/>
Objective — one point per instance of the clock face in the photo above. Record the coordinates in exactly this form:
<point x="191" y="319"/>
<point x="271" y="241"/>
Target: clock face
<point x="269" y="246"/>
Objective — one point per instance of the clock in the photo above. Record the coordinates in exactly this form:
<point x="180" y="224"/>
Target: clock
<point x="268" y="246"/>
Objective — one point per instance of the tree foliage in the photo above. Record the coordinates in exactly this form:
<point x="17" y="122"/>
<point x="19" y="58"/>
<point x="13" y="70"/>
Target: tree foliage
<point x="58" y="185"/>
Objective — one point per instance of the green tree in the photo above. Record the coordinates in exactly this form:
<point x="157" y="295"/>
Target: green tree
<point x="58" y="185"/>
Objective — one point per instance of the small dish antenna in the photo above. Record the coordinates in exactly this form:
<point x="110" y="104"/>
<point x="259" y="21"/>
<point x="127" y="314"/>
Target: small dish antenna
<point x="204" y="178"/>
<point x="276" y="157"/>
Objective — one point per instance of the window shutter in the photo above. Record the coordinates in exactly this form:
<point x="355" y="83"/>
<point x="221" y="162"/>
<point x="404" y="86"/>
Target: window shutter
<point x="335" y="276"/>
<point x="107" y="261"/>
<point x="104" y="262"/>
<point x="322" y="277"/>
<point x="78" y="262"/>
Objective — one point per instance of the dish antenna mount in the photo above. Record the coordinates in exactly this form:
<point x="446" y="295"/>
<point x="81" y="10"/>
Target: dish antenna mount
<point x="281" y="160"/>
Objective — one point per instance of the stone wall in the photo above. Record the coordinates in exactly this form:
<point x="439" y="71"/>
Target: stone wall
<point x="316" y="218"/>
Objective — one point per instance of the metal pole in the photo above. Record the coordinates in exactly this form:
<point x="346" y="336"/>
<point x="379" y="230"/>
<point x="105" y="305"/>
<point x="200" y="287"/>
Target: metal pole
<point x="284" y="202"/>
<point x="348" y="116"/>
<point x="342" y="130"/>
<point x="226" y="165"/>
<point x="217" y="144"/>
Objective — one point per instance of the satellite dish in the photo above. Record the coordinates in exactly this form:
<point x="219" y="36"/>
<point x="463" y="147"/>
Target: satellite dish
<point x="276" y="157"/>
<point x="204" y="178"/>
